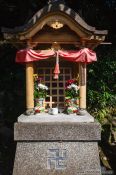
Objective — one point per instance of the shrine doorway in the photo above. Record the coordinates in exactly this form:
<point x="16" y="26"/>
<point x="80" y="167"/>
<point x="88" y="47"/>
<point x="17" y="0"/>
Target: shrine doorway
<point x="56" y="87"/>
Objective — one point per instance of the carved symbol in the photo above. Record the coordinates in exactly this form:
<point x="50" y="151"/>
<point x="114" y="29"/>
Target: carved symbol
<point x="56" y="159"/>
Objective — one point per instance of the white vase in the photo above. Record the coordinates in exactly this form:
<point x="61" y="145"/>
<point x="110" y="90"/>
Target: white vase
<point x="39" y="101"/>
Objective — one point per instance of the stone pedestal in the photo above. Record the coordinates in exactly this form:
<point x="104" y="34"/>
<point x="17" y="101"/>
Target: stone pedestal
<point x="57" y="145"/>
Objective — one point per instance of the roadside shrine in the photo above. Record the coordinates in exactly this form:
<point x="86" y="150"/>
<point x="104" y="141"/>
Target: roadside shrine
<point x="55" y="47"/>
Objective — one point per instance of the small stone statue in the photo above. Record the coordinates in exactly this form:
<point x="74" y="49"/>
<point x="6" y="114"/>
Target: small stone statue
<point x="82" y="112"/>
<point x="29" y="112"/>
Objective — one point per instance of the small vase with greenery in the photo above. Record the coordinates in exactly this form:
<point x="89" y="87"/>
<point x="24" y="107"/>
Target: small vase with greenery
<point x="71" y="96"/>
<point x="40" y="93"/>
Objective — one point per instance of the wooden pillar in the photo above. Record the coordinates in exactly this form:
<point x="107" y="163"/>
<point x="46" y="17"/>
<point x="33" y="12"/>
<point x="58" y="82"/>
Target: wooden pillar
<point x="29" y="86"/>
<point x="82" y="84"/>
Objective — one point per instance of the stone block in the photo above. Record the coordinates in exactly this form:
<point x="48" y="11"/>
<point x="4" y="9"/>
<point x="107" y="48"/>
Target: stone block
<point x="70" y="130"/>
<point x="57" y="158"/>
<point x="57" y="145"/>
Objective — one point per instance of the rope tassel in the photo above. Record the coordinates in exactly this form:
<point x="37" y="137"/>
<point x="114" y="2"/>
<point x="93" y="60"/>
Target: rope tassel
<point x="57" y="69"/>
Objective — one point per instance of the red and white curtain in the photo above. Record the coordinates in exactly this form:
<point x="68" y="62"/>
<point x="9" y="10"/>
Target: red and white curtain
<point x="84" y="55"/>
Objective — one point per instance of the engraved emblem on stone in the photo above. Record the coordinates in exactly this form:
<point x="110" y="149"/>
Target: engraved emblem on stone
<point x="56" y="159"/>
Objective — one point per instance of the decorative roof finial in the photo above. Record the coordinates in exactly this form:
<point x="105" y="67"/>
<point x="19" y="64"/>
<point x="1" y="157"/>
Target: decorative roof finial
<point x="56" y="1"/>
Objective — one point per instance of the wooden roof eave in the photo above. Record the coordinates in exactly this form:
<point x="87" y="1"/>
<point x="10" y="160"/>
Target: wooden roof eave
<point x="71" y="18"/>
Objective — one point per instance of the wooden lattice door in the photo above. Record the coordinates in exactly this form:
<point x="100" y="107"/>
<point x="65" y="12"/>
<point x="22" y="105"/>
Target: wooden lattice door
<point x="56" y="90"/>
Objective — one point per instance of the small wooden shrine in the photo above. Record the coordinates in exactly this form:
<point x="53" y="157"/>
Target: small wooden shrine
<point x="56" y="44"/>
<point x="55" y="31"/>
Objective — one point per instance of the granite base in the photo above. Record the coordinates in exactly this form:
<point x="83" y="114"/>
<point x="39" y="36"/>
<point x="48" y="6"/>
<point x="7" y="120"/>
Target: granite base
<point x="55" y="158"/>
<point x="57" y="148"/>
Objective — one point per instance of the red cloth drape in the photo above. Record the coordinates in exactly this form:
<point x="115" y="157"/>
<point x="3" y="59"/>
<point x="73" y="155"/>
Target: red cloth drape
<point x="84" y="55"/>
<point x="25" y="56"/>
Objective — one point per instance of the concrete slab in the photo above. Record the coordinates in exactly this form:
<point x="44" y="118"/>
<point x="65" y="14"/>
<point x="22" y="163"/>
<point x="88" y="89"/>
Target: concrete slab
<point x="45" y="117"/>
<point x="56" y="127"/>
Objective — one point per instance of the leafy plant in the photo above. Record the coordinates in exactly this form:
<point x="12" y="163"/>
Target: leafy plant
<point x="71" y="90"/>
<point x="40" y="90"/>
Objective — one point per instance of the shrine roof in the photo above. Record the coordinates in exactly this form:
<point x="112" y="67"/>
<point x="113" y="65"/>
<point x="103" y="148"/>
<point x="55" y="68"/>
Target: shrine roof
<point x="54" y="8"/>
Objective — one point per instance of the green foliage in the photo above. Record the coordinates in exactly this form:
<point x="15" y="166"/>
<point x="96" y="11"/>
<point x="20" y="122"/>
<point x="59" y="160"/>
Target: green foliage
<point x="102" y="90"/>
<point x="40" y="90"/>
<point x="71" y="94"/>
<point x="101" y="98"/>
<point x="40" y="93"/>
<point x="71" y="89"/>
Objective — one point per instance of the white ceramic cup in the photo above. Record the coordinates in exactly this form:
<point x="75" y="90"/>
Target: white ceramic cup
<point x="53" y="111"/>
